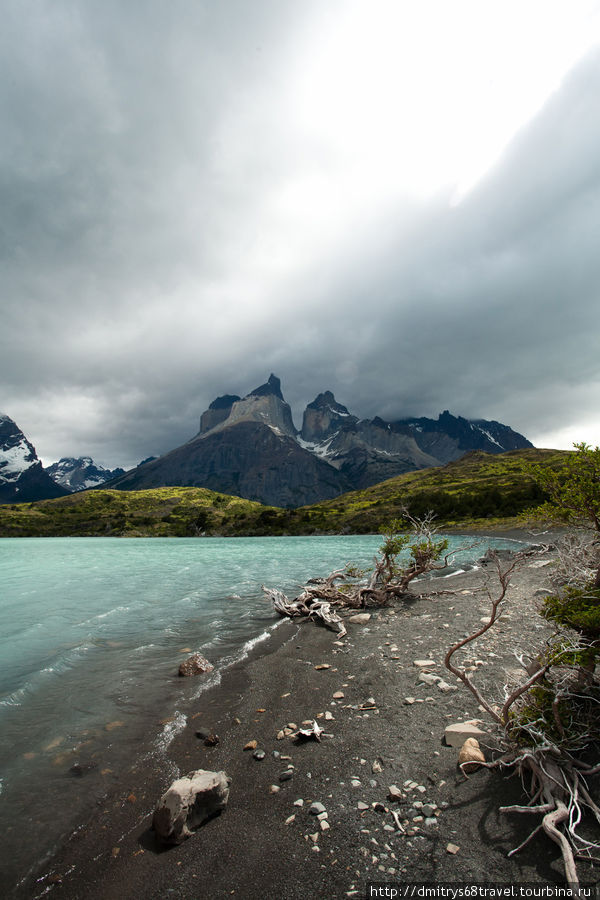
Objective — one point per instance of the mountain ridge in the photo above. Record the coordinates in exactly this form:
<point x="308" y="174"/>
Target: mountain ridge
<point x="250" y="446"/>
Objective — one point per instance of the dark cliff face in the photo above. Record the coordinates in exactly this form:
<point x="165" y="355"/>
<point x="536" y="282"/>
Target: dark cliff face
<point x="217" y="412"/>
<point x="247" y="459"/>
<point x="22" y="477"/>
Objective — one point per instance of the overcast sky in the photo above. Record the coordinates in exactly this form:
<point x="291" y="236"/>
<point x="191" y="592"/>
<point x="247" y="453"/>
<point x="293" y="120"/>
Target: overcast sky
<point x="396" y="201"/>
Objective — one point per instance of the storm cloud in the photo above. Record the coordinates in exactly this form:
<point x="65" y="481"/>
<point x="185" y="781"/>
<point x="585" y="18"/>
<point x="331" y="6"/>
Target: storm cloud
<point x="183" y="211"/>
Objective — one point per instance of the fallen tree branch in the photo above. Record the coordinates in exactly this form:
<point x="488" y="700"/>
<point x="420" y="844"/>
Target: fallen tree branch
<point x="306" y="605"/>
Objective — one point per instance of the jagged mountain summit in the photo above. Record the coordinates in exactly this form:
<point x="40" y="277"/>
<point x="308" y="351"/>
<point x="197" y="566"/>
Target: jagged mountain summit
<point x="250" y="447"/>
<point x="246" y="447"/>
<point x="81" y="473"/>
<point x="265" y="405"/>
<point x="22" y="476"/>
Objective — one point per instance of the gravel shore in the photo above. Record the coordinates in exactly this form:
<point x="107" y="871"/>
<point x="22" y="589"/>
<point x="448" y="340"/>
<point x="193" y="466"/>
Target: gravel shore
<point x="383" y="726"/>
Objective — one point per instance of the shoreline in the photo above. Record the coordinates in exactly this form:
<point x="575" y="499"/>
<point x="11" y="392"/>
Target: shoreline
<point x="249" y="850"/>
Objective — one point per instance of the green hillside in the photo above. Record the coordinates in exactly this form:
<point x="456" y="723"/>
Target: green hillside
<point x="478" y="489"/>
<point x="160" y="512"/>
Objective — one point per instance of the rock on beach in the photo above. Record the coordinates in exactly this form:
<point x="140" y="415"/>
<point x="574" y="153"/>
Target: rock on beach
<point x="196" y="664"/>
<point x="188" y="803"/>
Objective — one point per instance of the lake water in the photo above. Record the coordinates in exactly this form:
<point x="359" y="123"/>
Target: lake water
<point x="92" y="631"/>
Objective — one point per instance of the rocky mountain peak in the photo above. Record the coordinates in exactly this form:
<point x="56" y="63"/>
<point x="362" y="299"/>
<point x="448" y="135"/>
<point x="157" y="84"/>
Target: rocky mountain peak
<point x="217" y="412"/>
<point x="265" y="405"/>
<point x="324" y="417"/>
<point x="224" y="402"/>
<point x="272" y="386"/>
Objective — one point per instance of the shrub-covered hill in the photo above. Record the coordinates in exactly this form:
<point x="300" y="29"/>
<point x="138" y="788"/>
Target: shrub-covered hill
<point x="478" y="489"/>
<point x="159" y="512"/>
<point x="470" y="491"/>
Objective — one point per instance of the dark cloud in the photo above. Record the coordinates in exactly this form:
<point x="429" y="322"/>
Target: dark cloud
<point x="156" y="253"/>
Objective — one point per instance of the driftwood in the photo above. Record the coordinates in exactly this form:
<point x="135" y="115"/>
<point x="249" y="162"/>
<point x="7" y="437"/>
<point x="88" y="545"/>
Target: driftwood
<point x="388" y="580"/>
<point x="306" y="605"/>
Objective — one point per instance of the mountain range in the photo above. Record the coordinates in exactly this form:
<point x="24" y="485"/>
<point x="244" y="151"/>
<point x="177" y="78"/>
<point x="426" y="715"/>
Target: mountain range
<point x="249" y="447"/>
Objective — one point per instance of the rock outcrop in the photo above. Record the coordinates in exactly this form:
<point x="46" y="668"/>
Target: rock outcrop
<point x="188" y="803"/>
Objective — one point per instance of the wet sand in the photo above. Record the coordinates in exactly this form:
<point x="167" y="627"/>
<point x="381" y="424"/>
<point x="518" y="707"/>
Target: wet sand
<point x="387" y="729"/>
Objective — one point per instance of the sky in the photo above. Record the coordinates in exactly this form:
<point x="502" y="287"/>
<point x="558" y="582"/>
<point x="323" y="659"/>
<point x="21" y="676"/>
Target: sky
<point x="395" y="201"/>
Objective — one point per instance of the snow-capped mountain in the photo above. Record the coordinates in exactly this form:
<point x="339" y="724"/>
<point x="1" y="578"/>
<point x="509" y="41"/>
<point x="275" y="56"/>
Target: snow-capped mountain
<point x="81" y="473"/>
<point x="22" y="477"/>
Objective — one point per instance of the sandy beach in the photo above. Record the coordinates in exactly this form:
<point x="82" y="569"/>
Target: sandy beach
<point x="384" y="727"/>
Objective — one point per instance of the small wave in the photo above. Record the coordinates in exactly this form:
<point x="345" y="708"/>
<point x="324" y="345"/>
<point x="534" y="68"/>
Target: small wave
<point x="61" y="664"/>
<point x="455" y="572"/>
<point x="143" y="648"/>
<point x="171" y="730"/>
<point x="240" y="655"/>
<point x="211" y="682"/>
<point x="104" y="615"/>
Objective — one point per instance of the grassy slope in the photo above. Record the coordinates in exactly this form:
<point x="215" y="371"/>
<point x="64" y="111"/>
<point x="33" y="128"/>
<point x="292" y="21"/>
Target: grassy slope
<point x="478" y="489"/>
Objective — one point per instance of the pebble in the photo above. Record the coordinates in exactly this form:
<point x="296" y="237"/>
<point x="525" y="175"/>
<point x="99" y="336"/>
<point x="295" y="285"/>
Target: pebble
<point x="325" y="826"/>
<point x="355" y="783"/>
<point x="299" y="802"/>
<point x="316" y="808"/>
<point x="259" y="754"/>
<point x="274" y="788"/>
<point x="338" y="695"/>
<point x="290" y="819"/>
<point x="362" y="806"/>
<point x="452" y="848"/>
<point x="287" y="775"/>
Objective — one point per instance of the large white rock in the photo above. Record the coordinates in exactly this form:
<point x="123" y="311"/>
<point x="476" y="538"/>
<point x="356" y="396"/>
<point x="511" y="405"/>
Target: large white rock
<point x="188" y="803"/>
<point x="455" y="735"/>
